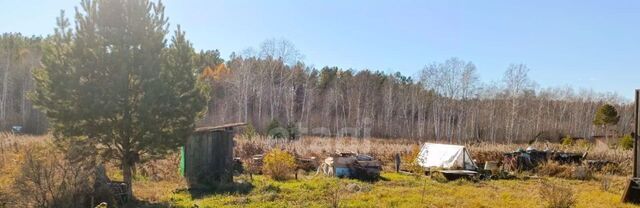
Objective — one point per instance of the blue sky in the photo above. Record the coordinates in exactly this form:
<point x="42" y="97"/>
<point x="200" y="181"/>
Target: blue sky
<point x="583" y="44"/>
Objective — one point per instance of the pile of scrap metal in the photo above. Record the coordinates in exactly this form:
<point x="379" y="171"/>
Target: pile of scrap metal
<point x="525" y="160"/>
<point x="351" y="165"/>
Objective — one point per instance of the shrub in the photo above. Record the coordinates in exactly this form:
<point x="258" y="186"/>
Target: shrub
<point x="293" y="131"/>
<point x="275" y="131"/>
<point x="333" y="191"/>
<point x="247" y="149"/>
<point x="249" y="132"/>
<point x="437" y="176"/>
<point x="626" y="142"/>
<point x="278" y="164"/>
<point x="47" y="178"/>
<point x="583" y="143"/>
<point x="606" y="183"/>
<point x="613" y="169"/>
<point x="567" y="141"/>
<point x="160" y="169"/>
<point x="411" y="159"/>
<point x="582" y="173"/>
<point x="556" y="196"/>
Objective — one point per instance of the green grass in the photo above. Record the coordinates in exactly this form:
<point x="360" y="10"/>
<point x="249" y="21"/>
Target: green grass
<point x="397" y="190"/>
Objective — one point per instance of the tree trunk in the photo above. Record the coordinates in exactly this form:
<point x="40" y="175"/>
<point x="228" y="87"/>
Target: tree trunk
<point x="127" y="172"/>
<point x="3" y="101"/>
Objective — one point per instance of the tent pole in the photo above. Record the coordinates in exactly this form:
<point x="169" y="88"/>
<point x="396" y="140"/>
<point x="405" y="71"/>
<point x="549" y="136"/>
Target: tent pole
<point x="464" y="158"/>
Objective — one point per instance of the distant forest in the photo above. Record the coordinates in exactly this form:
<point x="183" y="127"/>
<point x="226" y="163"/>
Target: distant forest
<point x="445" y="101"/>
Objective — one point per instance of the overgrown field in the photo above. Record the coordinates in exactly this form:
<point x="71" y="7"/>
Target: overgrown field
<point x="398" y="190"/>
<point x="26" y="163"/>
<point x="385" y="149"/>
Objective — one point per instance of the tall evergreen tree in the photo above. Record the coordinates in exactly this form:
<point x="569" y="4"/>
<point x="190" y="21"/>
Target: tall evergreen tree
<point x="113" y="83"/>
<point x="606" y="116"/>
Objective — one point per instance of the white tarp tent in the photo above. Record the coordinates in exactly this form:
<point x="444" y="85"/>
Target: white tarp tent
<point x="445" y="156"/>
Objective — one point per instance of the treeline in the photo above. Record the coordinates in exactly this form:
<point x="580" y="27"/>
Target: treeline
<point x="19" y="56"/>
<point x="445" y="102"/>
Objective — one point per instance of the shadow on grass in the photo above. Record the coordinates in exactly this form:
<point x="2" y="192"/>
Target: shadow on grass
<point x="366" y="177"/>
<point x="242" y="188"/>
<point x="146" y="204"/>
<point x="197" y="193"/>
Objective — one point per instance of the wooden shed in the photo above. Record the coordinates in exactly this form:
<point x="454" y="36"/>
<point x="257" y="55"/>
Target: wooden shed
<point x="207" y="156"/>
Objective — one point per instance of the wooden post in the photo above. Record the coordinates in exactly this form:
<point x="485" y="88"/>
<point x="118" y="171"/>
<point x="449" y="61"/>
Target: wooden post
<point x="464" y="159"/>
<point x="635" y="136"/>
<point x="632" y="191"/>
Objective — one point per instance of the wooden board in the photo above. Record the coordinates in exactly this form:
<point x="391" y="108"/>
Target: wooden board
<point x="224" y="127"/>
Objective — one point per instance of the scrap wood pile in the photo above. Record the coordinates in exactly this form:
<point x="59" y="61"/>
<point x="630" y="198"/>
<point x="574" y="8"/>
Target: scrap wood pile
<point x="542" y="161"/>
<point x="348" y="165"/>
<point x="521" y="160"/>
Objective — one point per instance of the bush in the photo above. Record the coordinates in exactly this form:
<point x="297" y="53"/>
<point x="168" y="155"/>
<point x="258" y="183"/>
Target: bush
<point x="411" y="161"/>
<point x="275" y="131"/>
<point x="293" y="131"/>
<point x="333" y="192"/>
<point x="582" y="173"/>
<point x="626" y="142"/>
<point x="556" y="196"/>
<point x="567" y="141"/>
<point x="278" y="164"/>
<point x="249" y="132"/>
<point x="437" y="176"/>
<point x="583" y="143"/>
<point x="247" y="149"/>
<point x="606" y="183"/>
<point x="47" y="178"/>
<point x="613" y="169"/>
<point x="161" y="169"/>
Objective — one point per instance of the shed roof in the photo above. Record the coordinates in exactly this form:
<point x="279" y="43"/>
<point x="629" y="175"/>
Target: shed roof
<point x="224" y="127"/>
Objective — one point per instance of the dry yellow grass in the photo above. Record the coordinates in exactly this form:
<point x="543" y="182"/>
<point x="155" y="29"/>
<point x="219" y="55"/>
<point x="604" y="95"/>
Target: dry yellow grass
<point x="11" y="147"/>
<point x="385" y="149"/>
<point x="158" y="183"/>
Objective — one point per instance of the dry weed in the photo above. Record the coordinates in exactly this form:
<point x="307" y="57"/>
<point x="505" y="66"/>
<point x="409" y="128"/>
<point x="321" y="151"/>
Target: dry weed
<point x="556" y="196"/>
